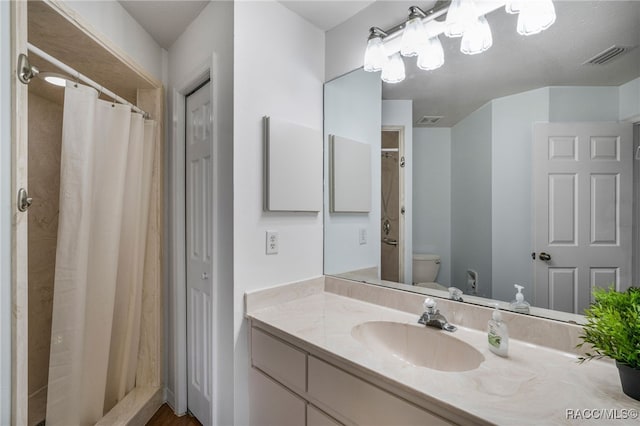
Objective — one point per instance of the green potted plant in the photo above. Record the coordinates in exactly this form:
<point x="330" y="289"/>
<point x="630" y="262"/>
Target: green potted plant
<point x="613" y="330"/>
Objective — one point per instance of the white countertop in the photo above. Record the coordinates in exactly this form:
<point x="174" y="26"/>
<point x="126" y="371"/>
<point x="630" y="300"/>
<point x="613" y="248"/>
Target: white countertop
<point x="533" y="385"/>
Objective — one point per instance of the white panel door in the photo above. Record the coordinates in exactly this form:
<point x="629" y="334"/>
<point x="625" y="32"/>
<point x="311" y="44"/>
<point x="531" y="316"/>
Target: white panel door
<point x="583" y="211"/>
<point x="199" y="215"/>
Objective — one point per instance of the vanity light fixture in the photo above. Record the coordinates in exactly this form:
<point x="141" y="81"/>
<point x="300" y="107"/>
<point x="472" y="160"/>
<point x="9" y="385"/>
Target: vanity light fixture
<point x="536" y="16"/>
<point x="375" y="56"/>
<point x="464" y="18"/>
<point x="393" y="71"/>
<point x="431" y="55"/>
<point x="461" y="16"/>
<point x="414" y="35"/>
<point x="513" y="6"/>
<point x="477" y="38"/>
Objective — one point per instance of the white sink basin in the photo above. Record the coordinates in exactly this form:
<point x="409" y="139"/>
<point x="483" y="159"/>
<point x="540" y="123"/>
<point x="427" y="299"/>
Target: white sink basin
<point x="418" y="345"/>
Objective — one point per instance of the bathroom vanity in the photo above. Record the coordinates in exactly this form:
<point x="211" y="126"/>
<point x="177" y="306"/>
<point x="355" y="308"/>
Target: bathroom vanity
<point x="323" y="352"/>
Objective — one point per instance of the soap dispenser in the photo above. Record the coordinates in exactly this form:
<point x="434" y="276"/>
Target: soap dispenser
<point x="520" y="305"/>
<point x="497" y="335"/>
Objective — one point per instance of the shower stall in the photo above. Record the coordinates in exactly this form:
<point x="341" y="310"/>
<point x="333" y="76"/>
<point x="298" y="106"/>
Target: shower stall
<point x="88" y="231"/>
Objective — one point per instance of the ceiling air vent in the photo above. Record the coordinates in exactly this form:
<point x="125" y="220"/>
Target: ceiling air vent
<point x="429" y="120"/>
<point x="608" y="55"/>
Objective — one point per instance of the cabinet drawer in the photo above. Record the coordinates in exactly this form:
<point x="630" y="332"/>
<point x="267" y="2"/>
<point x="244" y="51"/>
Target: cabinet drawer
<point x="278" y="359"/>
<point x="272" y="404"/>
<point x="360" y="402"/>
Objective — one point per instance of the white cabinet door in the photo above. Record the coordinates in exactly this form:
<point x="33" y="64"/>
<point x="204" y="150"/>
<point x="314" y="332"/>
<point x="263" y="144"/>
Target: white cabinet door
<point x="583" y="211"/>
<point x="271" y="404"/>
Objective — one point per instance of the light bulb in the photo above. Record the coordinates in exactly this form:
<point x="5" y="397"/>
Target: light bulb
<point x="536" y="16"/>
<point x="413" y="37"/>
<point x="393" y="71"/>
<point x="54" y="78"/>
<point x="478" y="38"/>
<point x="461" y="15"/>
<point x="375" y="56"/>
<point x="431" y="55"/>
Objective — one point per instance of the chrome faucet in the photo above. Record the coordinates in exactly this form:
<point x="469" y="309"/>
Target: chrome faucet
<point x="433" y="318"/>
<point x="455" y="294"/>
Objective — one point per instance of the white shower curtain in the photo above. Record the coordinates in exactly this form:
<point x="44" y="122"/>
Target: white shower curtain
<point x="104" y="173"/>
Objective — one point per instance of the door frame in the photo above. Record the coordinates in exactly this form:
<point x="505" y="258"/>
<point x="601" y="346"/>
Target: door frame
<point x="177" y="291"/>
<point x="6" y="190"/>
<point x="401" y="199"/>
<point x="19" y="179"/>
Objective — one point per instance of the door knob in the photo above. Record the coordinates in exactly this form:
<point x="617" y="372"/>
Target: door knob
<point x="544" y="256"/>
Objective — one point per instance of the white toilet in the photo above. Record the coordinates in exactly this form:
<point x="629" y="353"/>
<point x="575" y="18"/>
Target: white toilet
<point x="425" y="270"/>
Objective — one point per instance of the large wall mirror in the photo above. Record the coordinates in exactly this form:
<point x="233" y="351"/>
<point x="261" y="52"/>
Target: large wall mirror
<point x="519" y="165"/>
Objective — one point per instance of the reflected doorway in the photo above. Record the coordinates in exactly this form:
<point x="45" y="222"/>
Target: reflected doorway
<point x="392" y="204"/>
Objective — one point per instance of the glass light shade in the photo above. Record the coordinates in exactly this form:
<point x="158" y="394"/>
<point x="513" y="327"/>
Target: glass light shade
<point x="461" y="15"/>
<point x="478" y="38"/>
<point x="431" y="55"/>
<point x="393" y="71"/>
<point x="513" y="6"/>
<point x="375" y="56"/>
<point x="54" y="78"/>
<point x="536" y="16"/>
<point x="413" y="37"/>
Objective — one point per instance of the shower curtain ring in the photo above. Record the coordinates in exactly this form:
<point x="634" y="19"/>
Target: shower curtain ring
<point x="77" y="79"/>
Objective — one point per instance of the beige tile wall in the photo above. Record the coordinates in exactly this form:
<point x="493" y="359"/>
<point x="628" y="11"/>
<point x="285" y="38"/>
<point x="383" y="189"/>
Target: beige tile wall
<point x="45" y="136"/>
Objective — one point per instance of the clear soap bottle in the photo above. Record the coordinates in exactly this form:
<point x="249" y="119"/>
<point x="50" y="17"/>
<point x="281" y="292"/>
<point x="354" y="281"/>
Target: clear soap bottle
<point x="519" y="304"/>
<point x="498" y="335"/>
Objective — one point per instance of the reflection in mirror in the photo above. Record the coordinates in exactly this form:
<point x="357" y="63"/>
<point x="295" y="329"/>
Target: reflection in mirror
<point x="518" y="166"/>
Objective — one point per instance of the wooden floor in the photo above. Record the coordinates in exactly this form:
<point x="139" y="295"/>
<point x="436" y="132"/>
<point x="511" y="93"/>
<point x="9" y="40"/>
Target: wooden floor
<point x="165" y="417"/>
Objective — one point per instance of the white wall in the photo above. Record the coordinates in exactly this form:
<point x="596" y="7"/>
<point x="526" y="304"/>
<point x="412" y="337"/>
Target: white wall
<point x="511" y="182"/>
<point x="210" y="34"/>
<point x="471" y="200"/>
<point x="5" y="214"/>
<point x="278" y="71"/>
<point x="114" y="22"/>
<point x="629" y="99"/>
<point x="353" y="109"/>
<point x="400" y="113"/>
<point x="583" y="103"/>
<point x="432" y="196"/>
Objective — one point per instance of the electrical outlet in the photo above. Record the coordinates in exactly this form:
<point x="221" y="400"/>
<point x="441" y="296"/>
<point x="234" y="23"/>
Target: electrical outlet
<point x="272" y="242"/>
<point x="362" y="236"/>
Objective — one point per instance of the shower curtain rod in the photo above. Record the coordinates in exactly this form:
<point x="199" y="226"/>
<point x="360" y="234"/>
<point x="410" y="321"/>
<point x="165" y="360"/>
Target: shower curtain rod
<point x="81" y="77"/>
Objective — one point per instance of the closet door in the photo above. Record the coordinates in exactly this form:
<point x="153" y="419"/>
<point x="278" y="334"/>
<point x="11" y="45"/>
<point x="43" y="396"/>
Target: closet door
<point x="199" y="213"/>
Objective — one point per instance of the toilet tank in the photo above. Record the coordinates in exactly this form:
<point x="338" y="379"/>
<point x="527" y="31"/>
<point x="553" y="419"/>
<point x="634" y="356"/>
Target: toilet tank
<point x="425" y="267"/>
